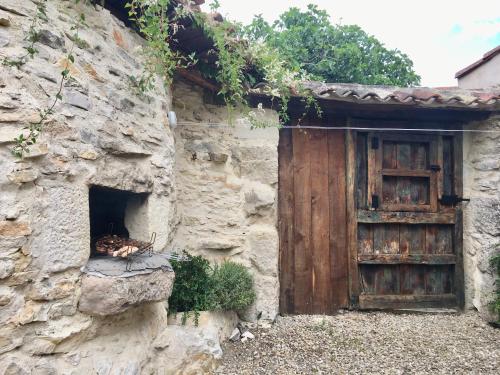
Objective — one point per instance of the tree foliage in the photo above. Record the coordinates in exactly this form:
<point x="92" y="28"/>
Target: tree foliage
<point x="333" y="53"/>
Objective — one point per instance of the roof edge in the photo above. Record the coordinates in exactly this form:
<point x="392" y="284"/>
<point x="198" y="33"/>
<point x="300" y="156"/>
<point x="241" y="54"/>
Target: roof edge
<point x="486" y="57"/>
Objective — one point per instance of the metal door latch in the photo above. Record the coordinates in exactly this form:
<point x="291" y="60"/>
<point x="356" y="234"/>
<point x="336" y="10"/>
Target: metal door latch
<point x="451" y="200"/>
<point x="435" y="167"/>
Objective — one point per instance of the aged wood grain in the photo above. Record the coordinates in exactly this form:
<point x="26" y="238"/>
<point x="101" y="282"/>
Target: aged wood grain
<point x="361" y="170"/>
<point x="406" y="217"/>
<point x="352" y="230"/>
<point x="390" y="160"/>
<point x="312" y="223"/>
<point x="339" y="285"/>
<point x="365" y="239"/>
<point x="373" y="173"/>
<point x="320" y="223"/>
<point x="432" y="259"/>
<point x="447" y="187"/>
<point x="419" y="156"/>
<point x="411" y="239"/>
<point x="386" y="239"/>
<point x="403" y="156"/>
<point x="302" y="222"/>
<point x="285" y="222"/>
<point x="407" y="301"/>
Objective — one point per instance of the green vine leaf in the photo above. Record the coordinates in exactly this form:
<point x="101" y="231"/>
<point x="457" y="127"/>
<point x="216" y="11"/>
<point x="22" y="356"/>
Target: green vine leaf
<point x="22" y="142"/>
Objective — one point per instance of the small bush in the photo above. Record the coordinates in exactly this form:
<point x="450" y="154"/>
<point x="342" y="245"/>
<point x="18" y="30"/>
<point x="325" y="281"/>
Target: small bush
<point x="193" y="286"/>
<point x="233" y="286"/>
<point x="198" y="287"/>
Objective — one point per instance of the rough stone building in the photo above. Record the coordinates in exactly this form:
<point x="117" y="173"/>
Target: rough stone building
<point x="109" y="154"/>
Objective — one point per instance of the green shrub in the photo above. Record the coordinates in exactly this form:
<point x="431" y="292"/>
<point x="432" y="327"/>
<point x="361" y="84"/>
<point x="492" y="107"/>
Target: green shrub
<point x="193" y="285"/>
<point x="198" y="287"/>
<point x="233" y="286"/>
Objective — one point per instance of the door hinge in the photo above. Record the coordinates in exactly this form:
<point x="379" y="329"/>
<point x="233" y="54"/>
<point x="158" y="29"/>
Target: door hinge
<point x="375" y="202"/>
<point x="375" y="143"/>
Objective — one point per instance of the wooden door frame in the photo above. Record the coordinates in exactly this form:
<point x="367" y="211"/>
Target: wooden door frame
<point x="352" y="216"/>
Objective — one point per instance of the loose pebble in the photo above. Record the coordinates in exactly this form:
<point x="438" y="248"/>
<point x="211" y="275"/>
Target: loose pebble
<point x="368" y="343"/>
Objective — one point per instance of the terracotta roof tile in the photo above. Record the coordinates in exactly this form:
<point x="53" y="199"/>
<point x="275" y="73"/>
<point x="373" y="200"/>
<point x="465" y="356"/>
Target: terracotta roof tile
<point x="452" y="97"/>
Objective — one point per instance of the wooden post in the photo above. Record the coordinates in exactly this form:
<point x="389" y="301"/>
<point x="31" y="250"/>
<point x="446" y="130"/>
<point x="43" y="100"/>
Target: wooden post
<point x="352" y="225"/>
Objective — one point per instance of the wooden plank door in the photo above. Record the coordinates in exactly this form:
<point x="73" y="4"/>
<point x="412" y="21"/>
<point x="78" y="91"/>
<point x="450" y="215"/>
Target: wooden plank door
<point x="408" y="242"/>
<point x="312" y="221"/>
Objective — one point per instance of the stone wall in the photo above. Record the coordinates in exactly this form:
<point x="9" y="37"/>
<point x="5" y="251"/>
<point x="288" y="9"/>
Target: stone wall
<point x="227" y="180"/>
<point x="482" y="213"/>
<point x="102" y="133"/>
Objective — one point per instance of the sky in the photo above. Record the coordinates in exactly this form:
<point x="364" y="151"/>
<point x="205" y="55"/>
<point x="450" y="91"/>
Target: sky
<point x="440" y="36"/>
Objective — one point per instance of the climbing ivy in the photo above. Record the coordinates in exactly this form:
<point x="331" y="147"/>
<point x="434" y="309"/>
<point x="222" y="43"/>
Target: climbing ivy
<point x="32" y="36"/>
<point x="239" y="66"/>
<point x="158" y="27"/>
<point x="23" y="142"/>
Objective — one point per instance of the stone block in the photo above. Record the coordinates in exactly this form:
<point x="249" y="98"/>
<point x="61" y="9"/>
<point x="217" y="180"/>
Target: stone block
<point x="259" y="198"/>
<point x="264" y="171"/>
<point x="6" y="295"/>
<point x="129" y="176"/>
<point x="4" y="42"/>
<point x="48" y="336"/>
<point x="6" y="268"/>
<point x="10" y="338"/>
<point x="265" y="306"/>
<point x="109" y="295"/>
<point x="188" y="349"/>
<point x="37" y="150"/>
<point x="486" y="215"/>
<point x="221" y="321"/>
<point x="77" y="99"/>
<point x="123" y="147"/>
<point x="88" y="154"/>
<point x="50" y="39"/>
<point x="263" y="241"/>
<point x="220" y="244"/>
<point x="31" y="312"/>
<point x="53" y="288"/>
<point x="64" y="241"/>
<point x="22" y="117"/>
<point x="5" y="20"/>
<point x="13" y="367"/>
<point x="8" y="133"/>
<point x="14" y="229"/>
<point x="22" y="176"/>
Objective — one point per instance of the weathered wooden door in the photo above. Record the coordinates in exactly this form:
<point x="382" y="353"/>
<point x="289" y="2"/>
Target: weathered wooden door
<point x="408" y="223"/>
<point x="312" y="221"/>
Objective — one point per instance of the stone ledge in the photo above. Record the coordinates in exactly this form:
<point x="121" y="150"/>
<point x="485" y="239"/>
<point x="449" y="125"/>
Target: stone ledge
<point x="111" y="295"/>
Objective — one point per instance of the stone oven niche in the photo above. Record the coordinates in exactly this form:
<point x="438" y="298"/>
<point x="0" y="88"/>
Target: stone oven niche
<point x="117" y="212"/>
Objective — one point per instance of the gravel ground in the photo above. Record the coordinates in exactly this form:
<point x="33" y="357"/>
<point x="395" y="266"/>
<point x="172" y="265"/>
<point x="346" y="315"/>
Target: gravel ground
<point x="367" y="343"/>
